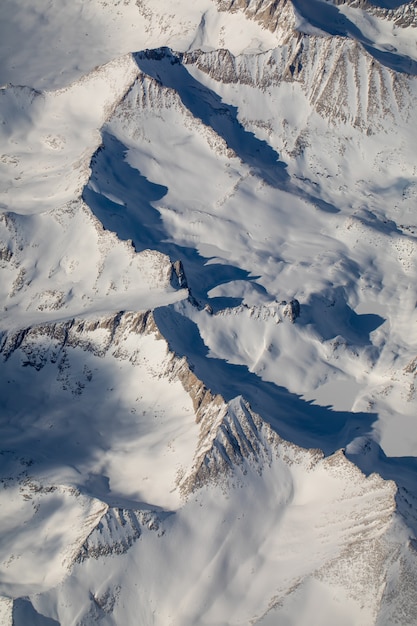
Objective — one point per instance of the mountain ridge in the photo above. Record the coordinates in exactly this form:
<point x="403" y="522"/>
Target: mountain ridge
<point x="207" y="247"/>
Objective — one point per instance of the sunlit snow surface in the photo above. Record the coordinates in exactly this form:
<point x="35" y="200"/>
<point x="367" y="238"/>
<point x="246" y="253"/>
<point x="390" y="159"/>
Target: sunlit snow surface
<point x="143" y="475"/>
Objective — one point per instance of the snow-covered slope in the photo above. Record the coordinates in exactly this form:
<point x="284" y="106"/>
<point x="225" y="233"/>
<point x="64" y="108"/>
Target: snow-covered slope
<point x="208" y="313"/>
<point x="177" y="472"/>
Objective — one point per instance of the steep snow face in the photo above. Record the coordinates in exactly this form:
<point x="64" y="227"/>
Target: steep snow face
<point x="389" y="35"/>
<point x="103" y="474"/>
<point x="93" y="409"/>
<point x="346" y="259"/>
<point x="66" y="358"/>
<point x="236" y="485"/>
<point x="252" y="500"/>
<point x="207" y="243"/>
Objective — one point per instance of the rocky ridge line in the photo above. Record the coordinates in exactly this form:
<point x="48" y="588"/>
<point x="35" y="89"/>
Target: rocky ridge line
<point x="403" y="16"/>
<point x="330" y="72"/>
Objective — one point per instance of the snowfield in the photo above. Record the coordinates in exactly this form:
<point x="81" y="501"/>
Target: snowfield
<point x="208" y="338"/>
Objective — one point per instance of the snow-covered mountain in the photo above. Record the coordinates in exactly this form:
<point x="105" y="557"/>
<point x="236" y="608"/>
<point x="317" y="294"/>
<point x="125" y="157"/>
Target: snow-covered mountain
<point x="208" y="313"/>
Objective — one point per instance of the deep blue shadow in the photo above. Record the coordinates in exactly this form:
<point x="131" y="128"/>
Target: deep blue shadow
<point x="365" y="324"/>
<point x="328" y="18"/>
<point x="396" y="62"/>
<point x="334" y="318"/>
<point x="206" y="105"/>
<point x="295" y="419"/>
<point x="166" y="67"/>
<point x="24" y="614"/>
<point x="132" y="216"/>
<point x="376" y="222"/>
<point x="121" y="198"/>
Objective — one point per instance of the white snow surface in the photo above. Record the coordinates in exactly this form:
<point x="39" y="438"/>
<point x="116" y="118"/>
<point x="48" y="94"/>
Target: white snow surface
<point x="208" y="313"/>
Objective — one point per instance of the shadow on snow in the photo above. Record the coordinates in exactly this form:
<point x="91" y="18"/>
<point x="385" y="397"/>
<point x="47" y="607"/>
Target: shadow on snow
<point x="204" y="104"/>
<point x="295" y="419"/>
<point x="328" y="18"/>
<point x="300" y="421"/>
<point x="121" y="198"/>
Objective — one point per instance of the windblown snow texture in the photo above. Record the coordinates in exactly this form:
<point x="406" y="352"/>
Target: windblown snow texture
<point x="208" y="338"/>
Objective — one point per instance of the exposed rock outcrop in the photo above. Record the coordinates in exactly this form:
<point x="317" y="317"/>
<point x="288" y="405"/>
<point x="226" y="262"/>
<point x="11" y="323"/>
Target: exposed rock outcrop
<point x="272" y="14"/>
